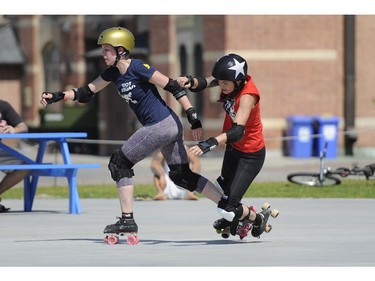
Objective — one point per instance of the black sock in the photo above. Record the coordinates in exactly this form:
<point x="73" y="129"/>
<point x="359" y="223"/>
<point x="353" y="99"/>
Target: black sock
<point x="127" y="215"/>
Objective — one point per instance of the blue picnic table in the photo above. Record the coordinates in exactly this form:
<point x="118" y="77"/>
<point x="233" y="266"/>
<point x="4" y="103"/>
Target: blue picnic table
<point x="39" y="168"/>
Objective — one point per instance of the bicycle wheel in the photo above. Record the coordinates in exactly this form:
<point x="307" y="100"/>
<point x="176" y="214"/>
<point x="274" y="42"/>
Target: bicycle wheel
<point x="312" y="179"/>
<point x="369" y="171"/>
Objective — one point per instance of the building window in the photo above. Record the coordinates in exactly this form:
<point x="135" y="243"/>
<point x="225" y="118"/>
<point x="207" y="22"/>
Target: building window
<point x="51" y="61"/>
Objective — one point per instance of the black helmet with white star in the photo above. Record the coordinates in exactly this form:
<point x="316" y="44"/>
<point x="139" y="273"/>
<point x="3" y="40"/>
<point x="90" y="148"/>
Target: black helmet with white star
<point x="230" y="67"/>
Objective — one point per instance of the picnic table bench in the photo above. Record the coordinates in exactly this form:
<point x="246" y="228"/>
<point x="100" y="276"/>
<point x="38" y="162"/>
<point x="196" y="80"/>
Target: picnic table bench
<point x="39" y="168"/>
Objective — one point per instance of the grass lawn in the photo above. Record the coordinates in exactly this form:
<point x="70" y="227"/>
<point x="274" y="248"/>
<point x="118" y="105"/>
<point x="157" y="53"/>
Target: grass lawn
<point x="347" y="189"/>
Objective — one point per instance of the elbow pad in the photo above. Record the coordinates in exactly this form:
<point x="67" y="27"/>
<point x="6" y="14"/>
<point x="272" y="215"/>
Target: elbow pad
<point x="83" y="94"/>
<point x="173" y="87"/>
<point x="235" y="133"/>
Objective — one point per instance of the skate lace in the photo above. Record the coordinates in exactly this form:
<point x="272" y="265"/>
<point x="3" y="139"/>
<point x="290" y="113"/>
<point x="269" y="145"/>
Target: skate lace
<point x="119" y="220"/>
<point x="122" y="221"/>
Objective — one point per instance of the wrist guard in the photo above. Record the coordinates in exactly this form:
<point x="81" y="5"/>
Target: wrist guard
<point x="190" y="80"/>
<point x="56" y="96"/>
<point x="202" y="84"/>
<point x="208" y="145"/>
<point x="192" y="117"/>
<point x="173" y="87"/>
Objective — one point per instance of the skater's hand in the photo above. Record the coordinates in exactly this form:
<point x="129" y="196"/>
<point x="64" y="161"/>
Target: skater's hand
<point x="49" y="98"/>
<point x="184" y="81"/>
<point x="195" y="151"/>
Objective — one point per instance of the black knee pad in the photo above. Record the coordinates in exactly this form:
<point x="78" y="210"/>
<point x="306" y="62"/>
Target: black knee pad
<point x="184" y="177"/>
<point x="120" y="166"/>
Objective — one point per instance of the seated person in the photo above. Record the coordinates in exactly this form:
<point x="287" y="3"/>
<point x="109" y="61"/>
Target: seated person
<point x="164" y="185"/>
<point x="10" y="123"/>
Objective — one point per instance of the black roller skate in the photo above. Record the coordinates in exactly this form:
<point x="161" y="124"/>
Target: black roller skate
<point x="124" y="226"/>
<point x="262" y="226"/>
<point x="236" y="227"/>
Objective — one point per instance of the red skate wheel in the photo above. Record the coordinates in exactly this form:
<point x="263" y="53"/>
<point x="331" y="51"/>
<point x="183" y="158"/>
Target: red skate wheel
<point x="132" y="240"/>
<point x="242" y="232"/>
<point x="112" y="240"/>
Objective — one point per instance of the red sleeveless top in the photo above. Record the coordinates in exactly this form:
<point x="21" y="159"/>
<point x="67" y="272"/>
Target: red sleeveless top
<point x="252" y="140"/>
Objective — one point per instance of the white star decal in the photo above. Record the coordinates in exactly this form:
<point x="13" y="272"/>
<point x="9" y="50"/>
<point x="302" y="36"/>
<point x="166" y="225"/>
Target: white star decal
<point x="238" y="67"/>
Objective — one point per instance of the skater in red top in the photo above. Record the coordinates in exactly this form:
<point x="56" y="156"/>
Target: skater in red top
<point x="242" y="133"/>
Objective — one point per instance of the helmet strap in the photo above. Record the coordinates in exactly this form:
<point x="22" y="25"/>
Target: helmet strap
<point x="237" y="89"/>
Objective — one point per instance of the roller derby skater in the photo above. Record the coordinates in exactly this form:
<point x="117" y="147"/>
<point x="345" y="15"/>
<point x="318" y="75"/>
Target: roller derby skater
<point x="243" y="136"/>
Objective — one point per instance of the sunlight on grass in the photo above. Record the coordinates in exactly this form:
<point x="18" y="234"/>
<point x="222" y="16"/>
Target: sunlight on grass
<point x="347" y="189"/>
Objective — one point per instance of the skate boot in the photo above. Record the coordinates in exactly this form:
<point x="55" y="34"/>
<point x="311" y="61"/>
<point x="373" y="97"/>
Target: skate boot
<point x="222" y="227"/>
<point x="260" y="224"/>
<point x="124" y="226"/>
<point x="257" y="230"/>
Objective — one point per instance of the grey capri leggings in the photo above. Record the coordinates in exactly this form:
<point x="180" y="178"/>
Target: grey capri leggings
<point x="166" y="135"/>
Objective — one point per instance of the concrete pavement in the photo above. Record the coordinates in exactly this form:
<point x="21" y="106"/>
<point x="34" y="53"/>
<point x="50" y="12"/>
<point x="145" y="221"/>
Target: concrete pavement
<point x="323" y="234"/>
<point x="308" y="232"/>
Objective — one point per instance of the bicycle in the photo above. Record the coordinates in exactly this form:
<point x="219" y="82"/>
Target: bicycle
<point x="327" y="176"/>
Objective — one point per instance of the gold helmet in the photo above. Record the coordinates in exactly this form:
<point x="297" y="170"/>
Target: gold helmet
<point x="117" y="36"/>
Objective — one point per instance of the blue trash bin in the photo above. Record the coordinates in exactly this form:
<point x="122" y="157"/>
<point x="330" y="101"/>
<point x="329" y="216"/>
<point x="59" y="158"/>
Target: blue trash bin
<point x="327" y="130"/>
<point x="300" y="131"/>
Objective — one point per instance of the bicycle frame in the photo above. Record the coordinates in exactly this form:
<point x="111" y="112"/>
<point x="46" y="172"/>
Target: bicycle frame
<point x="322" y="170"/>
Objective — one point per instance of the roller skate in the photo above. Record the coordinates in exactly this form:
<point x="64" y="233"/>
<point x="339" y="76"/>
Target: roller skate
<point x="240" y="228"/>
<point x="123" y="227"/>
<point x="266" y="212"/>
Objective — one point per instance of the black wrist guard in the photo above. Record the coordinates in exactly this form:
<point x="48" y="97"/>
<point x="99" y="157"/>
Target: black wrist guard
<point x="192" y="117"/>
<point x="208" y="145"/>
<point x="202" y="84"/>
<point x="190" y="80"/>
<point x="56" y="96"/>
<point x="173" y="87"/>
